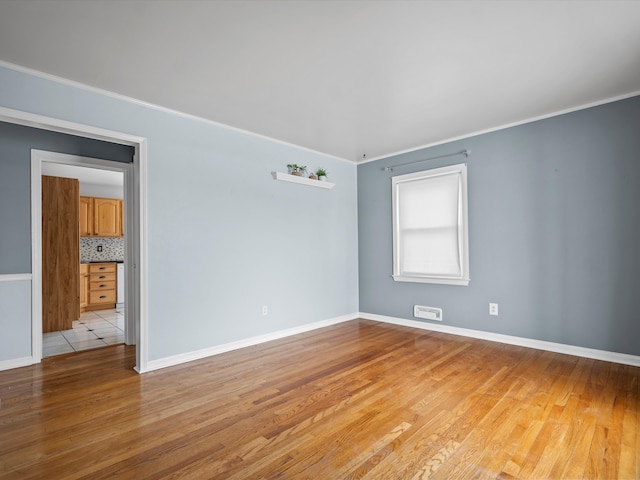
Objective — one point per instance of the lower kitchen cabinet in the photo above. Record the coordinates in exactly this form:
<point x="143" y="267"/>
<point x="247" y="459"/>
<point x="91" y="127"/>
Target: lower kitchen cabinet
<point x="100" y="287"/>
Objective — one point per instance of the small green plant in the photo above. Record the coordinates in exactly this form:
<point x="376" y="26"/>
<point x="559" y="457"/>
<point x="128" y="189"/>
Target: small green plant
<point x="295" y="169"/>
<point x="321" y="172"/>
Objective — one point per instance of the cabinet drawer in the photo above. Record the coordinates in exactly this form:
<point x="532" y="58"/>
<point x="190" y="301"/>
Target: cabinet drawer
<point x="102" y="277"/>
<point x="106" y="296"/>
<point x="106" y="285"/>
<point x="102" y="268"/>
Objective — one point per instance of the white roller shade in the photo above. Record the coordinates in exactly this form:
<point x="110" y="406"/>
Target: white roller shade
<point x="430" y="225"/>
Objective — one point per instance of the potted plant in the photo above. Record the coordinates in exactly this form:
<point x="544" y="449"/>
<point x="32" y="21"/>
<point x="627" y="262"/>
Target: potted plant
<point x="296" y="170"/>
<point x="322" y="174"/>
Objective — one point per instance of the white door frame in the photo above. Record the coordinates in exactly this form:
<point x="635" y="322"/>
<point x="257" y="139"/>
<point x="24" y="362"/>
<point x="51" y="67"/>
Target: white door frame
<point x="135" y="223"/>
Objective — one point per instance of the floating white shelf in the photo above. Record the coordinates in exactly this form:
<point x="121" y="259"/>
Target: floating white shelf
<point x="285" y="177"/>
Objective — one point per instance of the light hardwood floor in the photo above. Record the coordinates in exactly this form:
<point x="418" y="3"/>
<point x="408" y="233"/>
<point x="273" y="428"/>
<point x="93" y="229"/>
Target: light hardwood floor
<point x="357" y="400"/>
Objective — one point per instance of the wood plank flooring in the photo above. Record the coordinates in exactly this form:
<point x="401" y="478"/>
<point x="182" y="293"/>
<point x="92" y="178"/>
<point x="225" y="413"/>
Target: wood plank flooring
<point x="359" y="400"/>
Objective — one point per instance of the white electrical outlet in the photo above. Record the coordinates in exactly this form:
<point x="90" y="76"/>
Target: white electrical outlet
<point x="265" y="310"/>
<point x="493" y="309"/>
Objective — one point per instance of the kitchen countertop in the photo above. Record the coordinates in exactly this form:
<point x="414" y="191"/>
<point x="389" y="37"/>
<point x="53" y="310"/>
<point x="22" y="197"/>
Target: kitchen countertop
<point x="102" y="261"/>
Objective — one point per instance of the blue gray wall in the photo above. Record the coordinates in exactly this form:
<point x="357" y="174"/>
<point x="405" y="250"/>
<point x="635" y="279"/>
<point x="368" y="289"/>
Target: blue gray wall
<point x="554" y="231"/>
<point x="16" y="142"/>
<point x="224" y="238"/>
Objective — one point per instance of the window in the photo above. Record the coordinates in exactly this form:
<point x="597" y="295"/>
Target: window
<point x="430" y="241"/>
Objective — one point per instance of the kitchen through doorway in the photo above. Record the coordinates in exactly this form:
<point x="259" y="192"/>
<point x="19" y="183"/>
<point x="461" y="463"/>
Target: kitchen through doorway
<point x="93" y="312"/>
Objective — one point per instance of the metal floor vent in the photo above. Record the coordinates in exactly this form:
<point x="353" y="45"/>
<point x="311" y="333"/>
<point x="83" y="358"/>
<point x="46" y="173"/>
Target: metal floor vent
<point x="430" y="313"/>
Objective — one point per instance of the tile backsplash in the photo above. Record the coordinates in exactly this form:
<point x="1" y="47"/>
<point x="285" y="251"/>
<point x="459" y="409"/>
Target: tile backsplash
<point x="112" y="249"/>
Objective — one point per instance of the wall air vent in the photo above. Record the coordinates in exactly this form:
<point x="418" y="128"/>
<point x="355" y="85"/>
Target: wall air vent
<point x="430" y="313"/>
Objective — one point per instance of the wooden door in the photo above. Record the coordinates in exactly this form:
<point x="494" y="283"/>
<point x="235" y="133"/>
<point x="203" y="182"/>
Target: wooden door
<point x="106" y="217"/>
<point x="60" y="253"/>
<point x="86" y="216"/>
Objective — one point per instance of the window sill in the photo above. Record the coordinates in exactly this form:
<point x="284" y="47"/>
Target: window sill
<point x="442" y="281"/>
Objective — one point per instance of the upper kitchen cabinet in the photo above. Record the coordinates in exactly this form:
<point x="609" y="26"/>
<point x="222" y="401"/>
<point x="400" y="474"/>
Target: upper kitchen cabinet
<point x="107" y="217"/>
<point x="101" y="217"/>
<point x="86" y="216"/>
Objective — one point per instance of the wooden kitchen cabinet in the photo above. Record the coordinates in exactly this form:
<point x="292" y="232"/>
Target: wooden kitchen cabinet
<point x="101" y="217"/>
<point x="86" y="216"/>
<point x="101" y="286"/>
<point x="107" y="217"/>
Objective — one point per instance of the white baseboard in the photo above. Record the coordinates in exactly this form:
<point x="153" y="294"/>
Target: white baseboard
<point x="16" y="363"/>
<point x="247" y="342"/>
<point x="622" y="358"/>
<point x="614" y="357"/>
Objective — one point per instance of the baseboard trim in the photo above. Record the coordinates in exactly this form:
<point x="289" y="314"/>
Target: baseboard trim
<point x="614" y="357"/>
<point x="16" y="363"/>
<point x="247" y="342"/>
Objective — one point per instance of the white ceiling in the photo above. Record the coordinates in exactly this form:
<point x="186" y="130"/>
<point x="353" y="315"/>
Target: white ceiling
<point x="346" y="78"/>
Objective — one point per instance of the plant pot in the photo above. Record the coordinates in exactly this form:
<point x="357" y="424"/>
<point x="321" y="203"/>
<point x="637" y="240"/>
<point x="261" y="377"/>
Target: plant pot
<point x="297" y="174"/>
<point x="322" y="178"/>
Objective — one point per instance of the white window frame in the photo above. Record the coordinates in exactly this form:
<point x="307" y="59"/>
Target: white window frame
<point x="463" y="237"/>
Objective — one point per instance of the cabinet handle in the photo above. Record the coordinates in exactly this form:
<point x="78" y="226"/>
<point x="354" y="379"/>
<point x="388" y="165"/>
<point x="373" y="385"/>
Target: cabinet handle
<point x="103" y="296"/>
<point x="102" y="276"/>
<point x="102" y="268"/>
<point x="102" y="285"/>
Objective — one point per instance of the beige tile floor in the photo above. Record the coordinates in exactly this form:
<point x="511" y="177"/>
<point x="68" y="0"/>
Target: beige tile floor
<point x="94" y="329"/>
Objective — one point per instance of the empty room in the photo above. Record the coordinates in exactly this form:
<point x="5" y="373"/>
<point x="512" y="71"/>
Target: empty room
<point x="356" y="239"/>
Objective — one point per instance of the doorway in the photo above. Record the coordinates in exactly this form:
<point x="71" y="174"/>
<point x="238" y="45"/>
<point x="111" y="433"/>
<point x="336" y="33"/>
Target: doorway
<point x="135" y="218"/>
<point x="136" y="223"/>
<point x="83" y="308"/>
<point x="49" y="162"/>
